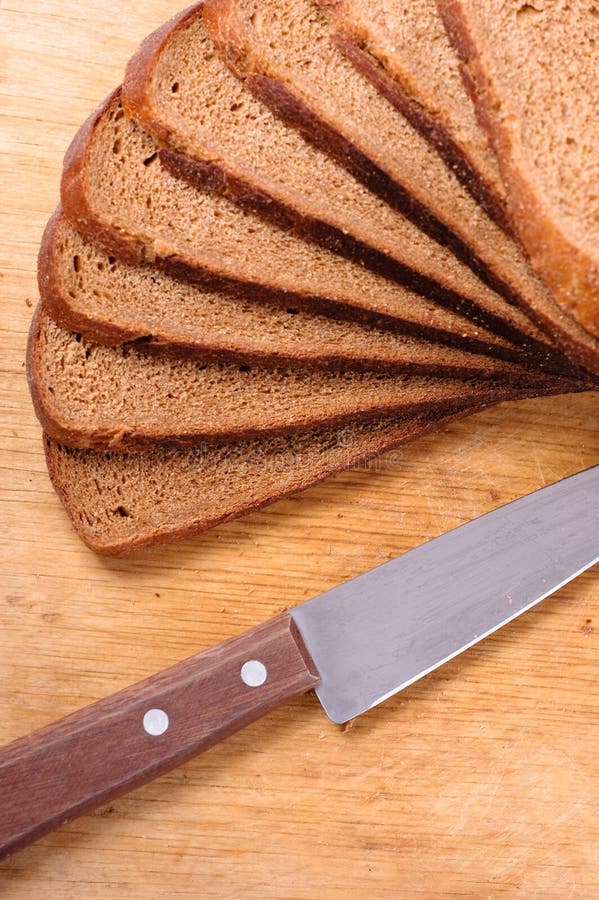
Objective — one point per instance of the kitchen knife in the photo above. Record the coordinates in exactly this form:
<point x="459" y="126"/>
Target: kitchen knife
<point x="354" y="645"/>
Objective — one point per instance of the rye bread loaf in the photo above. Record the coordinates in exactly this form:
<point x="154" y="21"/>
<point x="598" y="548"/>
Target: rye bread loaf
<point x="534" y="72"/>
<point x="286" y="55"/>
<point x="116" y="191"/>
<point x="245" y="151"/>
<point x="88" y="395"/>
<point x="402" y="47"/>
<point x="121" y="502"/>
<point x="86" y="290"/>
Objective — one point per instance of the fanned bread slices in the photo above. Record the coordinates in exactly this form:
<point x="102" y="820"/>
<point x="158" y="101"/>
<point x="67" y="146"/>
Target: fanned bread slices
<point x="287" y="56"/>
<point x="534" y="70"/>
<point x="116" y="191"/>
<point x="87" y="291"/>
<point x="87" y="395"/>
<point x="121" y="502"/>
<point x="169" y="89"/>
<point x="272" y="265"/>
<point x="401" y="46"/>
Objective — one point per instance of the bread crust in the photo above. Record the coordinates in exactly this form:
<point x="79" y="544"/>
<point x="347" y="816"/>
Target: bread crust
<point x="132" y="250"/>
<point x="225" y="178"/>
<point x="570" y="272"/>
<point x="168" y="532"/>
<point x="223" y="24"/>
<point x="140" y="72"/>
<point x="57" y="302"/>
<point x="127" y="434"/>
<point x="354" y="45"/>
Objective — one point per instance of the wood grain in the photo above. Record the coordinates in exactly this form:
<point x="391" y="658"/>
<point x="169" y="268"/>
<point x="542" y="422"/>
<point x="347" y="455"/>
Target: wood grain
<point x="476" y="782"/>
<point x="101" y="752"/>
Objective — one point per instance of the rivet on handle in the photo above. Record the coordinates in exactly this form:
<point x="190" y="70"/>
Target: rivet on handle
<point x="156" y="722"/>
<point x="253" y="673"/>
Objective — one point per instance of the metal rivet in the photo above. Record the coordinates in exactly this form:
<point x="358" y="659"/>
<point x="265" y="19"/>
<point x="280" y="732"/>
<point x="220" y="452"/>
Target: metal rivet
<point x="253" y="673"/>
<point x="156" y="722"/>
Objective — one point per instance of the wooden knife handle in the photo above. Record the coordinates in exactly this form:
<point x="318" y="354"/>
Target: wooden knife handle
<point x="119" y="743"/>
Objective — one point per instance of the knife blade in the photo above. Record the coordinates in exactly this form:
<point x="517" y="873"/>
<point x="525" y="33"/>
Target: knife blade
<point x="355" y="645"/>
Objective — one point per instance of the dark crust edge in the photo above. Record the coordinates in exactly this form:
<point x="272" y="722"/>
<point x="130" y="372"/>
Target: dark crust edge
<point x="55" y="300"/>
<point x="222" y="21"/>
<point x="451" y="152"/>
<point x="31" y="360"/>
<point x="550" y="253"/>
<point x="220" y="177"/>
<point x="123" y="439"/>
<point x="136" y="96"/>
<point x="132" y="251"/>
<point x="177" y="532"/>
<point x="215" y="178"/>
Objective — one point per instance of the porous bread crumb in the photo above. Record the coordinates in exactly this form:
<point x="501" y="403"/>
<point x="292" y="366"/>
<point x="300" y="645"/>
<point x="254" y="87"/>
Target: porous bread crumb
<point x="87" y="290"/>
<point x="197" y="106"/>
<point x="124" y="196"/>
<point x="408" y="39"/>
<point x="534" y="70"/>
<point x="87" y="395"/>
<point x="331" y="102"/>
<point x="120" y="502"/>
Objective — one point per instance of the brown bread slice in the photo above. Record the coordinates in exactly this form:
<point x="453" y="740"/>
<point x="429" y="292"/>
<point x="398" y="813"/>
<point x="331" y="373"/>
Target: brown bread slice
<point x="88" y="395"/>
<point x="534" y="69"/>
<point x="170" y="89"/>
<point x="115" y="190"/>
<point x="408" y="56"/>
<point x="87" y="291"/>
<point x="121" y="502"/>
<point x="288" y="57"/>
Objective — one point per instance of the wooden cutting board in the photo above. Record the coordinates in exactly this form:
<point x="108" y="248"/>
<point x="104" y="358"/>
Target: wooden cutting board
<point x="476" y="782"/>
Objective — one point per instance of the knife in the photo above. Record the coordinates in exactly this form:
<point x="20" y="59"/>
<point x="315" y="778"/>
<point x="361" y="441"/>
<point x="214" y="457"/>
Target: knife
<point x="355" y="646"/>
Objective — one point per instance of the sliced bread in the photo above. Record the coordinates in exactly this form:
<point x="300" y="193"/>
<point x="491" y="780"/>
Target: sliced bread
<point x="115" y="190"/>
<point x="121" y="502"/>
<point x="87" y="291"/>
<point x="88" y="395"/>
<point x="401" y="46"/>
<point x="286" y="55"/>
<point x="534" y="72"/>
<point x="180" y="91"/>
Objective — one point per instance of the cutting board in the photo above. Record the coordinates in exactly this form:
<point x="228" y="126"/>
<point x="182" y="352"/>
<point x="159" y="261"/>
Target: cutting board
<point x="475" y="782"/>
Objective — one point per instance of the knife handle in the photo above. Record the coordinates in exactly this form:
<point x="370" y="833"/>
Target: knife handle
<point x="126" y="740"/>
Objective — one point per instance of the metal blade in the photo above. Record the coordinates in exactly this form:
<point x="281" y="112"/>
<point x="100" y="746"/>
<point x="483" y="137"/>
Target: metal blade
<point x="378" y="633"/>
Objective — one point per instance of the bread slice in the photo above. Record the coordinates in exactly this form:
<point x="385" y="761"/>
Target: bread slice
<point x="88" y="395"/>
<point x="534" y="68"/>
<point x="401" y="46"/>
<point x="169" y="89"/>
<point x="87" y="291"/>
<point x="115" y="191"/>
<point x="287" y="56"/>
<point x="121" y="502"/>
